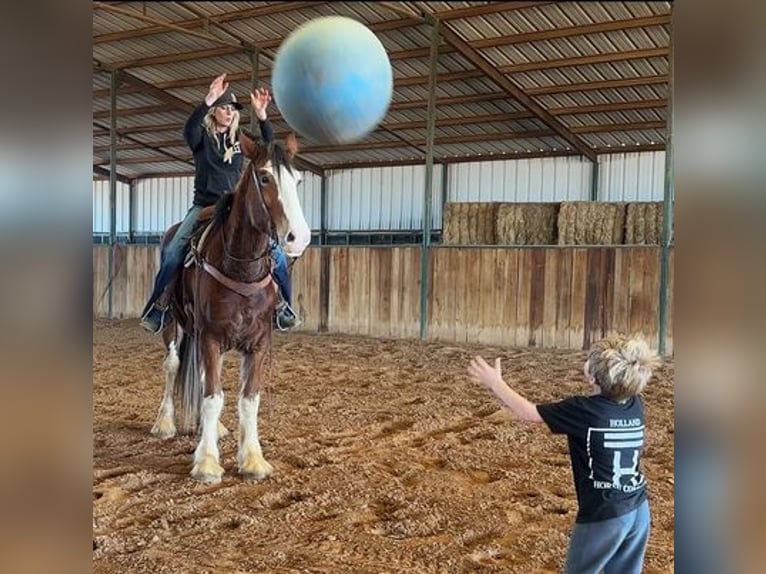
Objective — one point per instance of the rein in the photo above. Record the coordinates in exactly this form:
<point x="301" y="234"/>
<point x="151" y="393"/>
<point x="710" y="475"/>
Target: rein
<point x="242" y="288"/>
<point x="271" y="227"/>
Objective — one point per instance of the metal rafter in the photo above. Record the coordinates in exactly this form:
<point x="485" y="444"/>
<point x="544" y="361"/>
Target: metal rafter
<point x="515" y="91"/>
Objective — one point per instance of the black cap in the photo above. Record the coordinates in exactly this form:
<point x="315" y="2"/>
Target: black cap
<point x="228" y="99"/>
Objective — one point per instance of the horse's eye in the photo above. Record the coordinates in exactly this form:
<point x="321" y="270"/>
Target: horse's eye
<point x="264" y="179"/>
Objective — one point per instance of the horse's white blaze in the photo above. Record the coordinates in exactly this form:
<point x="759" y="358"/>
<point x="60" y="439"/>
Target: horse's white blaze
<point x="291" y="204"/>
<point x="165" y="426"/>
<point x="206" y="454"/>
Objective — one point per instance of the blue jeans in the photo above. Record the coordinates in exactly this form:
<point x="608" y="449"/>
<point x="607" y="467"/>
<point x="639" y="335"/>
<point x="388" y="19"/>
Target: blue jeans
<point x="172" y="255"/>
<point x="616" y="546"/>
<point x="280" y="272"/>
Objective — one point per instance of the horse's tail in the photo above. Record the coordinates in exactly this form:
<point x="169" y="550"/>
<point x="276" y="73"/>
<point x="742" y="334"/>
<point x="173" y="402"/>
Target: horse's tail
<point x="189" y="384"/>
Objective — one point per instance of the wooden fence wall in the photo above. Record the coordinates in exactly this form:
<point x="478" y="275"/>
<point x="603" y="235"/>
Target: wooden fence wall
<point x="529" y="297"/>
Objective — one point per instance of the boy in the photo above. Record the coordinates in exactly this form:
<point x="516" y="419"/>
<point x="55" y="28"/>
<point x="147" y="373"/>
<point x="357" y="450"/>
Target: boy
<point x="606" y="436"/>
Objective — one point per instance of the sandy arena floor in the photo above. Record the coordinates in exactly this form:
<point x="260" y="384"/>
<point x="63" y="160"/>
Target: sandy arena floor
<point x="387" y="459"/>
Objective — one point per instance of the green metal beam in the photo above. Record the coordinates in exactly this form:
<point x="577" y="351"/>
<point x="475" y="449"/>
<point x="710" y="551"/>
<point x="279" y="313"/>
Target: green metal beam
<point x="114" y="86"/>
<point x="428" y="197"/>
<point x="667" y="220"/>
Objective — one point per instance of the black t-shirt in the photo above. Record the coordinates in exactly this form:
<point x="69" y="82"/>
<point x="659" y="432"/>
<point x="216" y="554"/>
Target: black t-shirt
<point x="605" y="443"/>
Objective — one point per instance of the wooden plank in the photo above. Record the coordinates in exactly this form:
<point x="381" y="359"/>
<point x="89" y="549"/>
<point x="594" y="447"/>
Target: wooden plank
<point x="510" y="297"/>
<point x="411" y="293"/>
<point x="450" y="293"/>
<point x="636" y="303"/>
<point x="379" y="292"/>
<point x="339" y="292"/>
<point x="395" y="328"/>
<point x="498" y="275"/>
<point x="548" y="339"/>
<point x="460" y="262"/>
<point x="577" y="309"/>
<point x="486" y="289"/>
<point x="563" y="296"/>
<point x="607" y="287"/>
<point x="593" y="297"/>
<point x="99" y="281"/>
<point x="523" y="298"/>
<point x="620" y="324"/>
<point x="306" y="283"/>
<point x="358" y="307"/>
<point x="537" y="297"/>
<point x="324" y="288"/>
<point x="651" y="290"/>
<point x="433" y="300"/>
<point x="471" y="280"/>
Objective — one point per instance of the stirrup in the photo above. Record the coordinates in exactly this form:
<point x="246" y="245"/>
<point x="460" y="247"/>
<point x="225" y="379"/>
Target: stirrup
<point x="281" y="308"/>
<point x="151" y="322"/>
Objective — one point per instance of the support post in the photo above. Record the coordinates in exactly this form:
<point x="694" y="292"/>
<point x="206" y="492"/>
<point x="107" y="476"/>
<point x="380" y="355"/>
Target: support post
<point x="667" y="206"/>
<point x="324" y="263"/>
<point x="427" y="194"/>
<point x="131" y="210"/>
<point x="445" y="193"/>
<point x="594" y="181"/>
<point x="114" y="85"/>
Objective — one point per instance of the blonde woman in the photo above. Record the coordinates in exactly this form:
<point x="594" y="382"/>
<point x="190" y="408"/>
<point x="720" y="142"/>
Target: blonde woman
<point x="212" y="133"/>
<point x="606" y="433"/>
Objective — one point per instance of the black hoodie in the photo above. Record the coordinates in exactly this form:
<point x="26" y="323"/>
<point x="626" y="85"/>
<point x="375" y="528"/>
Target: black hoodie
<point x="217" y="169"/>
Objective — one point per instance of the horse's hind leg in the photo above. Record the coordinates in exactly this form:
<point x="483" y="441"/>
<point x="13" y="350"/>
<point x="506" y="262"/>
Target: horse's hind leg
<point x="250" y="459"/>
<point x="206" y="456"/>
<point x="165" y="426"/>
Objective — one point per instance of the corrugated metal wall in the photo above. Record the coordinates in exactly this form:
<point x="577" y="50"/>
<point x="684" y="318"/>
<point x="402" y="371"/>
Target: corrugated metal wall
<point x="391" y="198"/>
<point x="101" y="206"/>
<point x="632" y="176"/>
<point x="385" y="198"/>
<point x="524" y="180"/>
<point x="159" y="203"/>
<point x="310" y="192"/>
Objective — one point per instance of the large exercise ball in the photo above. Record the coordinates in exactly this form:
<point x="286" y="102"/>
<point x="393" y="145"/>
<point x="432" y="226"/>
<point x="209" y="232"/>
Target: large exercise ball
<point x="332" y="80"/>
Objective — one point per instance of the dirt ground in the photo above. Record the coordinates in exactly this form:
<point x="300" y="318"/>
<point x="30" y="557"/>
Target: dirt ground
<point x="387" y="459"/>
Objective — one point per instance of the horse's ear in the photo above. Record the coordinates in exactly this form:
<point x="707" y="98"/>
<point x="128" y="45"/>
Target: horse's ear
<point x="291" y="145"/>
<point x="248" y="145"/>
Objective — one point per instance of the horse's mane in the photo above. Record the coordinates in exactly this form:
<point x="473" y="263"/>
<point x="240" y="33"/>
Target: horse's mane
<point x="222" y="210"/>
<point x="278" y="157"/>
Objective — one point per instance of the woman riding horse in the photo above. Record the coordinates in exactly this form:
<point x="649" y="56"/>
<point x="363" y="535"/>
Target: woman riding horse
<point x="212" y="132"/>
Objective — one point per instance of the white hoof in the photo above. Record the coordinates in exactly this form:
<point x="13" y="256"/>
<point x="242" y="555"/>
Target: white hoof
<point x="253" y="466"/>
<point x="164" y="428"/>
<point x="207" y="471"/>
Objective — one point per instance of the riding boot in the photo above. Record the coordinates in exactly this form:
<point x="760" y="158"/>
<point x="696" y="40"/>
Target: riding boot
<point x="285" y="318"/>
<point x="155" y="318"/>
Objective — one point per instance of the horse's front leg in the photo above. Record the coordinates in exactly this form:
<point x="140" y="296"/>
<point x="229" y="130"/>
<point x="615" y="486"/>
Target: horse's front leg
<point x="165" y="425"/>
<point x="250" y="459"/>
<point x="206" y="456"/>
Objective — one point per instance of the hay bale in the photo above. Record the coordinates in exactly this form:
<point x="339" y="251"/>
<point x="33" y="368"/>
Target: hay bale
<point x="643" y="223"/>
<point x="591" y="223"/>
<point x="469" y="224"/>
<point x="526" y="223"/>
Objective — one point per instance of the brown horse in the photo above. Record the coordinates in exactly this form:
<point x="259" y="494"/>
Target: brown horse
<point x="226" y="301"/>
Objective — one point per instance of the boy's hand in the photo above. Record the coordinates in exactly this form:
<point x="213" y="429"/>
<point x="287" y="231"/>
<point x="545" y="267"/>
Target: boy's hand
<point x="481" y="372"/>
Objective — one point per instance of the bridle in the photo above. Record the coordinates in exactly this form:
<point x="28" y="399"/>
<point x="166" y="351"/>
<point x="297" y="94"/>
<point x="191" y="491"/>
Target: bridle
<point x="272" y="228"/>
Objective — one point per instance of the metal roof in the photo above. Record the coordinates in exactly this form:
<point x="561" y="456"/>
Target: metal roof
<point x="514" y="79"/>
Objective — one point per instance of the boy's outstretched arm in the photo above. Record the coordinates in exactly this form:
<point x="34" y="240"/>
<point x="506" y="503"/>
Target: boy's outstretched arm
<point x="492" y="377"/>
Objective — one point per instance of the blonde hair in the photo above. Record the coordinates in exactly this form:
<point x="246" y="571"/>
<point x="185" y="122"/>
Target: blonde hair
<point x="209" y="123"/>
<point x="621" y="366"/>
